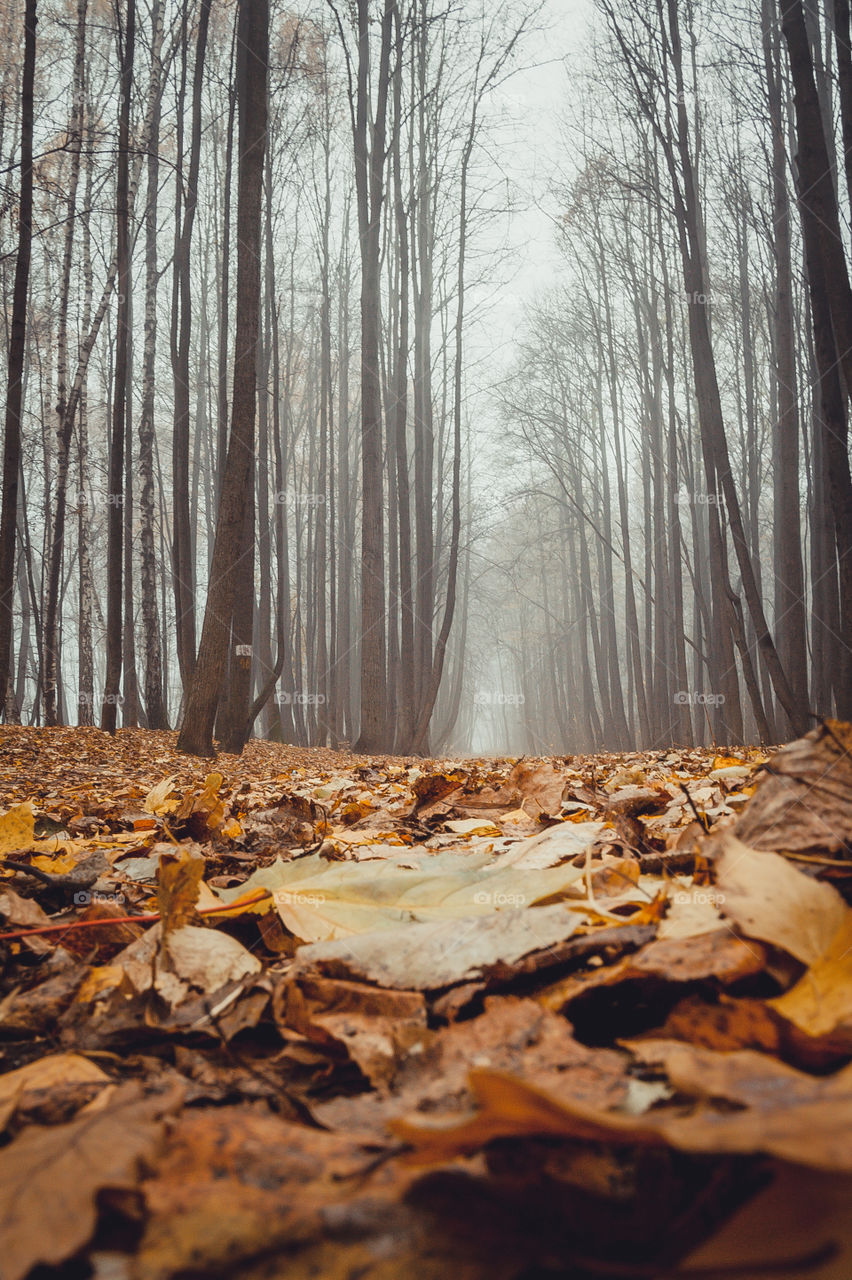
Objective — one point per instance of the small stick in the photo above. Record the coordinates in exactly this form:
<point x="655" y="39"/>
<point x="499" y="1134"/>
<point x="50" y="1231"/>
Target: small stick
<point x="702" y="821"/>
<point x="150" y="918"/>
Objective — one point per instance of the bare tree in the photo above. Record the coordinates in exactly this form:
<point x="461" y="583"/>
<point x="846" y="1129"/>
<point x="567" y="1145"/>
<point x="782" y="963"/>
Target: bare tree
<point x="17" y="347"/>
<point x="196" y="734"/>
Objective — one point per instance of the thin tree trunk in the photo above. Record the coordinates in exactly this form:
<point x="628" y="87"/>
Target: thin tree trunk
<point x="369" y="180"/>
<point x="115" y="513"/>
<point x="17" y="347"/>
<point x="186" y="205"/>
<point x="153" y="677"/>
<point x="196" y="734"/>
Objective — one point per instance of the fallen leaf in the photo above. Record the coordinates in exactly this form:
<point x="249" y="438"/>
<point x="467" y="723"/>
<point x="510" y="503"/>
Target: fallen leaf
<point x="767" y="898"/>
<point x="804" y="805"/>
<point x="16" y="829"/>
<point x="821" y="1001"/>
<point x="50" y="1177"/>
<point x="208" y="958"/>
<point x="320" y="900"/>
<point x="557" y="844"/>
<point x="811" y="1130"/>
<point x="178" y="886"/>
<point x="512" y="1034"/>
<point x="472" y="827"/>
<point x="428" y="956"/>
<point x="49" y="1073"/>
<point x="377" y="1027"/>
<point x="163" y="798"/>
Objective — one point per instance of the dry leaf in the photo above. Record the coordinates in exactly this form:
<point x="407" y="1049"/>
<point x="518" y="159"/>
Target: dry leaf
<point x="427" y="956"/>
<point x="557" y="844"/>
<point x="320" y="900"/>
<point x="16" y="829"/>
<point x="178" y="886"/>
<point x="767" y="898"/>
<point x="811" y="1130"/>
<point x="50" y="1177"/>
<point x="805" y="804"/>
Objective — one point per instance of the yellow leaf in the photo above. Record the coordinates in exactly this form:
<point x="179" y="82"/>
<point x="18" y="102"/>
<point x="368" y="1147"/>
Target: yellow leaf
<point x="768" y="899"/>
<point x="160" y="798"/>
<point x="178" y="883"/>
<point x="473" y="827"/>
<point x="725" y="762"/>
<point x="100" y="981"/>
<point x="821" y="1001"/>
<point x="515" y="815"/>
<point x="59" y="865"/>
<point x="16" y="828"/>
<point x="207" y="804"/>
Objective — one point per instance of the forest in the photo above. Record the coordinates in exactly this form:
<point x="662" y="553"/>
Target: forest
<point x="426" y="639"/>
<point x="629" y="529"/>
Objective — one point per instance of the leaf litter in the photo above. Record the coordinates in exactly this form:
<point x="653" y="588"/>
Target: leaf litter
<point x="320" y="1014"/>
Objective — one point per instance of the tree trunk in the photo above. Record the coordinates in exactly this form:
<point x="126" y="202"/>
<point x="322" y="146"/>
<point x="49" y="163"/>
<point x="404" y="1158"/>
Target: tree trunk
<point x="153" y="678"/>
<point x="369" y="176"/>
<point x="831" y="309"/>
<point x="196" y="734"/>
<point x="17" y="347"/>
<point x="183" y="559"/>
<point x="115" y="513"/>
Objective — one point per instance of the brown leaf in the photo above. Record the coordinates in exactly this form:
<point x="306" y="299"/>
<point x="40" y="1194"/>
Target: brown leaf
<point x="719" y="956"/>
<point x="805" y="805"/>
<point x="378" y="1028"/>
<point x="812" y="1130"/>
<point x="50" y="1178"/>
<point x="511" y="1035"/>
<point x="178" y="886"/>
<point x="234" y="1184"/>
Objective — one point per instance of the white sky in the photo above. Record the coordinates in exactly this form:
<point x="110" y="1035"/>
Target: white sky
<point x="536" y="100"/>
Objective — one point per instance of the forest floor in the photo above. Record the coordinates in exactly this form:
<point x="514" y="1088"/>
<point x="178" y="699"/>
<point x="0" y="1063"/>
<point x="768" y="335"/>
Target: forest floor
<point x="309" y="1013"/>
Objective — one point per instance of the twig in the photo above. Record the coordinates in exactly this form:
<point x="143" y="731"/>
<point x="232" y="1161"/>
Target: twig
<point x="150" y="918"/>
<point x="701" y="819"/>
<point x="35" y="872"/>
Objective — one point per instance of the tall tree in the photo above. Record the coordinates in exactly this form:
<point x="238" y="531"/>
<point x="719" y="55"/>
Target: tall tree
<point x="126" y="29"/>
<point x="369" y="124"/>
<point x="155" y="707"/>
<point x="196" y="735"/>
<point x="17" y="348"/>
<point x="831" y="306"/>
<point x="186" y="204"/>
